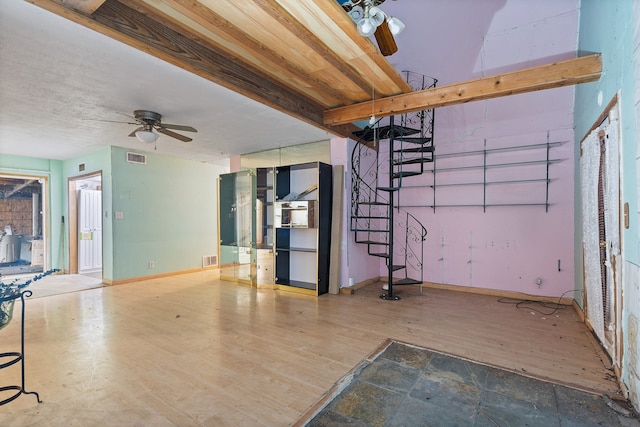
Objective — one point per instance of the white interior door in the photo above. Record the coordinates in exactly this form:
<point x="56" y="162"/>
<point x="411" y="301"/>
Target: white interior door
<point x="89" y="231"/>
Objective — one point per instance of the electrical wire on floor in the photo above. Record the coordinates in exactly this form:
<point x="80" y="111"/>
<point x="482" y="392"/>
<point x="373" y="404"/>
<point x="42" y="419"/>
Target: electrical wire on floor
<point x="528" y="303"/>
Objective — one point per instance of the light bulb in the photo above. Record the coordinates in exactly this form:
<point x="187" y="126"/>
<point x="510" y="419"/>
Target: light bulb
<point x="395" y="25"/>
<point x="366" y="27"/>
<point x="376" y="15"/>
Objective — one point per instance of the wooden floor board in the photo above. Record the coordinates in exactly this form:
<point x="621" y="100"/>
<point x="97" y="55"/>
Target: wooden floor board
<point x="194" y="350"/>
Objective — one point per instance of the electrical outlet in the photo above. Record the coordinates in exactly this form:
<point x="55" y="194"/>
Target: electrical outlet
<point x="152" y="264"/>
<point x="539" y="282"/>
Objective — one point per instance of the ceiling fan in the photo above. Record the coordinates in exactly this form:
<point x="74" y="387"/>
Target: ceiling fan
<point x="149" y="120"/>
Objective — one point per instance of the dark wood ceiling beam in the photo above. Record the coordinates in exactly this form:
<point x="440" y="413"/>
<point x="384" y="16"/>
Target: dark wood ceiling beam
<point x="558" y="74"/>
<point x="85" y="6"/>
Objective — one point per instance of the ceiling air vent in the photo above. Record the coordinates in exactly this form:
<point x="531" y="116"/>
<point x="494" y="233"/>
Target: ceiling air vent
<point x="140" y="159"/>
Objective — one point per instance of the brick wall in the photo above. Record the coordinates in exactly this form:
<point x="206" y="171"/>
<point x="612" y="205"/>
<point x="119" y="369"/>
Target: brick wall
<point x="17" y="213"/>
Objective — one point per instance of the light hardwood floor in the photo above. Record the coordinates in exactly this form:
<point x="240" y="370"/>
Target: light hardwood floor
<point x="192" y="350"/>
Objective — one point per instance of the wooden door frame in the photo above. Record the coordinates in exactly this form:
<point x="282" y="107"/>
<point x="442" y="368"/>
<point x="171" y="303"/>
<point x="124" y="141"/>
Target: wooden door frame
<point x="72" y="197"/>
<point x="45" y="209"/>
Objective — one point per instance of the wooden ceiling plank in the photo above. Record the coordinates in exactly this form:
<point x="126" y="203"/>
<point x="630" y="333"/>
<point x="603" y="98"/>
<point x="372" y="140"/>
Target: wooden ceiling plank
<point x="564" y="73"/>
<point x="274" y="27"/>
<point x="249" y="33"/>
<point x="273" y="8"/>
<point x="278" y="33"/>
<point x="87" y="7"/>
<point x="364" y="55"/>
<point x="330" y="24"/>
<point x="210" y="29"/>
<point x="259" y="25"/>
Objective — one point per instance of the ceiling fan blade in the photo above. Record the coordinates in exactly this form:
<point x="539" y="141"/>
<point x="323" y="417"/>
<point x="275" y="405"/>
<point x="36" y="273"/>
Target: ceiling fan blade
<point x="111" y="121"/>
<point x="134" y="132"/>
<point x="178" y="127"/>
<point x="173" y="134"/>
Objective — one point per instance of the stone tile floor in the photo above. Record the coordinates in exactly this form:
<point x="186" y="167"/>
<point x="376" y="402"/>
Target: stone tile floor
<point x="411" y="386"/>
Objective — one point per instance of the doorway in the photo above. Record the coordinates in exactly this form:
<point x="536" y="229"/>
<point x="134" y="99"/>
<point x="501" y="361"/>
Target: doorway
<point x="85" y="225"/>
<point x="23" y="232"/>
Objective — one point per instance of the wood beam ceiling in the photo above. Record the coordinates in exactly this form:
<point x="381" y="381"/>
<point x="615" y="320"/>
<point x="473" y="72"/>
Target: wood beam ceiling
<point x="558" y="74"/>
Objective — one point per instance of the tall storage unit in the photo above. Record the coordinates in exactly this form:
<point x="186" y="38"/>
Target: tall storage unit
<point x="302" y="217"/>
<point x="246" y="226"/>
<point x="237" y="216"/>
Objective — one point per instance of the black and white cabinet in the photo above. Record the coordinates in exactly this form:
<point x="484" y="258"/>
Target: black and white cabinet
<point x="302" y="220"/>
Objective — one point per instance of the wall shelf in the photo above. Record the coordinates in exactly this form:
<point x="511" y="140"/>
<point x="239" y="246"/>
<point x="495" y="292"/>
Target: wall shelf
<point x="482" y="169"/>
<point x="475" y="205"/>
<point x="314" y="250"/>
<point x="497" y="165"/>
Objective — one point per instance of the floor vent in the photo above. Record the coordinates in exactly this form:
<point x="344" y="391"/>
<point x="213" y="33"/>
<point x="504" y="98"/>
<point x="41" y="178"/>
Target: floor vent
<point x="209" y="260"/>
<point x="140" y="159"/>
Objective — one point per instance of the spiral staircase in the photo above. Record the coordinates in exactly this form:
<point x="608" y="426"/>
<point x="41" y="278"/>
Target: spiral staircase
<point x="388" y="154"/>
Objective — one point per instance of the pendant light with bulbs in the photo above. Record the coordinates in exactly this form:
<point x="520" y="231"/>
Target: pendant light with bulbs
<point x="371" y="20"/>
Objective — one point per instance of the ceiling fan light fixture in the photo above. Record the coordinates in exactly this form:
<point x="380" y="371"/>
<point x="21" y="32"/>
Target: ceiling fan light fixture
<point x="395" y="25"/>
<point x="369" y="17"/>
<point x="147" y="136"/>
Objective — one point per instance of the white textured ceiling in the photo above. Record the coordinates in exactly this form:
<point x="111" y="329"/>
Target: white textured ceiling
<point x="59" y="79"/>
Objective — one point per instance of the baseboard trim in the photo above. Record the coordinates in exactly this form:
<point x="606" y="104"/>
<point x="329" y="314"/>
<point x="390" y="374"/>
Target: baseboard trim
<point x="349" y="290"/>
<point x="499" y="293"/>
<point x="156" y="276"/>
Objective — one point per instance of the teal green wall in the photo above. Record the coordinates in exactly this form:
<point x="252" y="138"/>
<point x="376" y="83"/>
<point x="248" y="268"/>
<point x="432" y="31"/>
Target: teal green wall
<point x="607" y="26"/>
<point x="52" y="171"/>
<point x="169" y="209"/>
<point x="169" y="214"/>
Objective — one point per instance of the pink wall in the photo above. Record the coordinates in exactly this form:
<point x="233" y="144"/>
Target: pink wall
<point x="505" y="248"/>
<point x="355" y="262"/>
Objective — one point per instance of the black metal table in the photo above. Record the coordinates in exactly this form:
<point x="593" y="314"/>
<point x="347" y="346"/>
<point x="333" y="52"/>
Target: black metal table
<point x="16" y="357"/>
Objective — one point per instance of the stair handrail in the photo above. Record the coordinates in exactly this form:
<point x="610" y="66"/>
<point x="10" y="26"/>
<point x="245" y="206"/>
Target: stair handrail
<point x="409" y="251"/>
